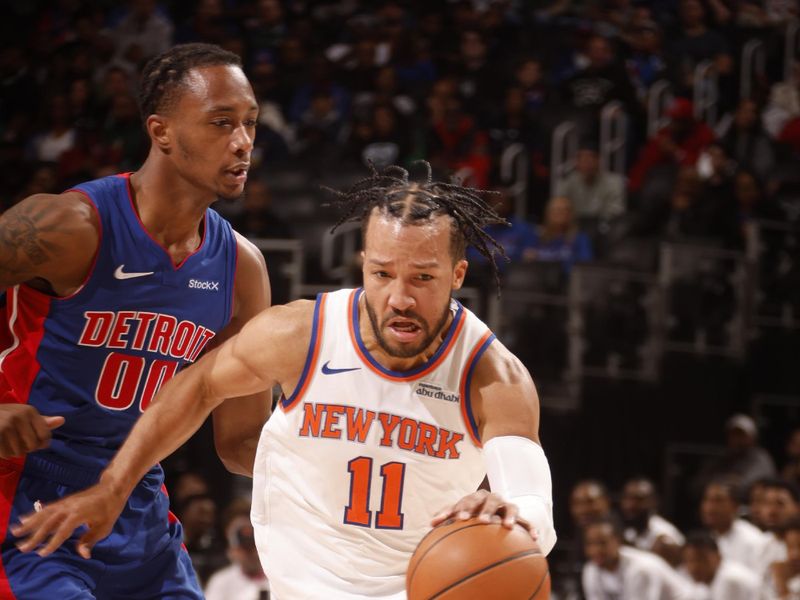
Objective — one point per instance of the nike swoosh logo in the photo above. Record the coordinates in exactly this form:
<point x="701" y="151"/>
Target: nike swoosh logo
<point x="326" y="370"/>
<point x="120" y="274"/>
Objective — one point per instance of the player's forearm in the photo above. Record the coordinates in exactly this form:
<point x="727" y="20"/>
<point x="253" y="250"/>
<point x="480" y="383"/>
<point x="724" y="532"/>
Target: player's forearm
<point x="518" y="470"/>
<point x="177" y="412"/>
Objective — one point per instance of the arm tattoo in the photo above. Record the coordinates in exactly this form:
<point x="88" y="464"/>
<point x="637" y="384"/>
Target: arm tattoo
<point x="21" y="231"/>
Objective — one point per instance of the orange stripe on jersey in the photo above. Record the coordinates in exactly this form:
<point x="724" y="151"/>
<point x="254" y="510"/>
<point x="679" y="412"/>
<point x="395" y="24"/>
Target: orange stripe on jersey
<point x="310" y="367"/>
<point x="441" y="354"/>
<point x="466" y="380"/>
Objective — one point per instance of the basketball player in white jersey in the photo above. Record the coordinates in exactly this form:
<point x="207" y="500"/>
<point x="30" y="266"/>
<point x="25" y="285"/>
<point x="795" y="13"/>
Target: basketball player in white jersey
<point x="397" y="401"/>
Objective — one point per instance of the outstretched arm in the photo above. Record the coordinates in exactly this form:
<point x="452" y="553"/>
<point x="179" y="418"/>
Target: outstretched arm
<point x="271" y="347"/>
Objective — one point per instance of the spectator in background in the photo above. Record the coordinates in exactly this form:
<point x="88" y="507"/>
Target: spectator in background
<point x="737" y="539"/>
<point x="644" y="528"/>
<point x="746" y="142"/>
<point x="646" y="63"/>
<point x="455" y="141"/>
<point x="257" y="219"/>
<point x="677" y="144"/>
<point x="696" y="43"/>
<point x="186" y="484"/>
<point x="617" y="571"/>
<point x="715" y="578"/>
<point x="755" y="502"/>
<point x="122" y="133"/>
<point x="529" y="77"/>
<point x="143" y="32"/>
<point x="781" y="506"/>
<point x="744" y="461"/>
<point x="198" y="515"/>
<point x="518" y="238"/>
<point x="244" y="578"/>
<point x="558" y="238"/>
<point x="479" y="82"/>
<point x="588" y="501"/>
<point x="59" y="136"/>
<point x="594" y="193"/>
<point x="601" y="81"/>
<point x="783" y="580"/>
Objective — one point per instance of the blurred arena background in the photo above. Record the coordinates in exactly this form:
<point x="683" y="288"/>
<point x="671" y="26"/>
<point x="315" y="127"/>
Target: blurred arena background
<point x="647" y="157"/>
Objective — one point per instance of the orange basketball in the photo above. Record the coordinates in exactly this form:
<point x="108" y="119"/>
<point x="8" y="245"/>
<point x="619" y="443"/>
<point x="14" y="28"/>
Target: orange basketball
<point x="464" y="560"/>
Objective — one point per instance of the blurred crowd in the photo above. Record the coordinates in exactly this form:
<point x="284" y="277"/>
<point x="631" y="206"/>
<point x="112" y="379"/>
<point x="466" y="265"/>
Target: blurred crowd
<point x="345" y="82"/>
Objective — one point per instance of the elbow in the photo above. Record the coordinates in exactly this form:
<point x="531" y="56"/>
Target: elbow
<point x="237" y="454"/>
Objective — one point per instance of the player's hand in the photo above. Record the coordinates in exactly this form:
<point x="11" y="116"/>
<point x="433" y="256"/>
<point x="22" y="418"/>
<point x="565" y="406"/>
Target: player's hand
<point x="487" y="507"/>
<point x="45" y="530"/>
<point x="23" y="429"/>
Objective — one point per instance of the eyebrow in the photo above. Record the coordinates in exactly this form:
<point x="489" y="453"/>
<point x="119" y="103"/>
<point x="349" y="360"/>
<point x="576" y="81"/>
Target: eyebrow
<point x="430" y="264"/>
<point x="229" y="109"/>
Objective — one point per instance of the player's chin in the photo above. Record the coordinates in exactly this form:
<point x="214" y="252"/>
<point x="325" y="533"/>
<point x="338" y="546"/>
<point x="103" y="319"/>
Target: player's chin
<point x="230" y="193"/>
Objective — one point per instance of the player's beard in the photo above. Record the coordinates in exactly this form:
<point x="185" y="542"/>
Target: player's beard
<point x="406" y="351"/>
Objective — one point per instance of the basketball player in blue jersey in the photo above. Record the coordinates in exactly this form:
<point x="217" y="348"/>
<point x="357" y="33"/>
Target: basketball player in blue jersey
<point x="397" y="402"/>
<point x="111" y="288"/>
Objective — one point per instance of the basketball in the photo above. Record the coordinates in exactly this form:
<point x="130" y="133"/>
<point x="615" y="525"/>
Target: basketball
<point x="470" y="559"/>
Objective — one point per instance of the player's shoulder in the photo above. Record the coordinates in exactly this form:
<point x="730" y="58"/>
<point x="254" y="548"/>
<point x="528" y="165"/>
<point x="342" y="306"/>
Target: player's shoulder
<point x="499" y="365"/>
<point x="288" y="321"/>
<point x="68" y="211"/>
<point x="249" y="254"/>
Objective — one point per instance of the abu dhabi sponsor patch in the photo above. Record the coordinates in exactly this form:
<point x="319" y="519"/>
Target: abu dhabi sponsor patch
<point x="431" y="390"/>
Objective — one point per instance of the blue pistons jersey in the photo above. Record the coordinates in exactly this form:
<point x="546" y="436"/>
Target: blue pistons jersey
<point x="99" y="356"/>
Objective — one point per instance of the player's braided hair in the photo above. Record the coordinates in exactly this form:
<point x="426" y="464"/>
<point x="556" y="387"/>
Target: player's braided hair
<point x="391" y="191"/>
<point x="164" y="74"/>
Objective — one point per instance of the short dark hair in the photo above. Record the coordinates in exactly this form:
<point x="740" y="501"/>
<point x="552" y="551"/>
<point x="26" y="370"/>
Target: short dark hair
<point x="702" y="540"/>
<point x="163" y="75"/>
<point x="611" y="521"/>
<point x="414" y="203"/>
<point x="777" y="483"/>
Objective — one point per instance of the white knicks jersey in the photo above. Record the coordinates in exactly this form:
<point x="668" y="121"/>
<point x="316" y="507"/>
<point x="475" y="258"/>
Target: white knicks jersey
<point x="353" y="466"/>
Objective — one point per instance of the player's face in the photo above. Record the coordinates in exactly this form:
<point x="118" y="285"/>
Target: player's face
<point x="409" y="277"/>
<point x="213" y="127"/>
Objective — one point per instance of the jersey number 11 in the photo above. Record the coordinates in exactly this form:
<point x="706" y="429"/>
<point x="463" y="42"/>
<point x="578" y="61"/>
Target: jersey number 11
<point x="357" y="512"/>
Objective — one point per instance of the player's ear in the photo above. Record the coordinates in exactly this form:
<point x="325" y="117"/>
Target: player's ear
<point x="159" y="131"/>
<point x="459" y="272"/>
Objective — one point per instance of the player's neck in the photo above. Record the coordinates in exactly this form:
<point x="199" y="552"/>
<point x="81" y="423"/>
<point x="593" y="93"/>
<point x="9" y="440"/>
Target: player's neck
<point x="170" y="211"/>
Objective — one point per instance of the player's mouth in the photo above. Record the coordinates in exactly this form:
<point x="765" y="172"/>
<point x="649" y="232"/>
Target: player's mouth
<point x="238" y="173"/>
<point x="404" y="330"/>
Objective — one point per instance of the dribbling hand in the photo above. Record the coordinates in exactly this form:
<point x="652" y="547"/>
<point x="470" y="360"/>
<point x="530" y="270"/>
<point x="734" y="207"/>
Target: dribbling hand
<point x="487" y="507"/>
<point x="23" y="429"/>
<point x="49" y="527"/>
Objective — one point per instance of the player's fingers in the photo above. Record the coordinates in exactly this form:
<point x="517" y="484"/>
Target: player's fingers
<point x="87" y="542"/>
<point x="34" y="531"/>
<point x="510" y="515"/>
<point x="463" y="509"/>
<point x="492" y="505"/>
<point x="442" y="516"/>
<point x="471" y="505"/>
<point x="41" y="434"/>
<point x="53" y="422"/>
<point x="60" y="535"/>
